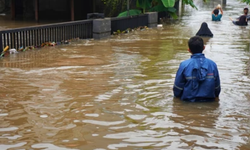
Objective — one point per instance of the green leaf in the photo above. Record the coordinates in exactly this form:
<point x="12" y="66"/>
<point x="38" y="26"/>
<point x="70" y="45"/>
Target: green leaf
<point x="191" y="3"/>
<point x="159" y="8"/>
<point x="132" y="12"/>
<point x="171" y="9"/>
<point x="173" y="15"/>
<point x="145" y="4"/>
<point x="168" y="3"/>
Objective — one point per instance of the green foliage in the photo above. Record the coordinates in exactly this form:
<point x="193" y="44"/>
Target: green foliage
<point x="156" y="5"/>
<point x="168" y="3"/>
<point x="160" y="5"/>
<point x="132" y="12"/>
<point x="159" y="8"/>
<point x="190" y="2"/>
<point x="246" y="1"/>
<point x="153" y="5"/>
<point x="164" y="5"/>
<point x="114" y="7"/>
<point x="144" y="4"/>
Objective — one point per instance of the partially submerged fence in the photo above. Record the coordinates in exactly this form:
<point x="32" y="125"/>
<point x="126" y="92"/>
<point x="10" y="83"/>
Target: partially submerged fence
<point x="128" y="22"/>
<point x="35" y="36"/>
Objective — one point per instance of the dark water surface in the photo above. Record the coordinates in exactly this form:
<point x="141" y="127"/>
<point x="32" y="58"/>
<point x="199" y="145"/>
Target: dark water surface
<point x="117" y="93"/>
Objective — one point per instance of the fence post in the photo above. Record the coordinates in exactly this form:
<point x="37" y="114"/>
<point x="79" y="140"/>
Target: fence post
<point x="1" y="42"/>
<point x="101" y="28"/>
<point x="152" y="19"/>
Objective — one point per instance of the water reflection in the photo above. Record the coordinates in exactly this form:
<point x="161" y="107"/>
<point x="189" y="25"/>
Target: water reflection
<point x="117" y="93"/>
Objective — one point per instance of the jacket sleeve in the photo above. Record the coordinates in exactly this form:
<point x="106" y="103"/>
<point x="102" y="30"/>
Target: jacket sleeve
<point x="217" y="82"/>
<point x="179" y="82"/>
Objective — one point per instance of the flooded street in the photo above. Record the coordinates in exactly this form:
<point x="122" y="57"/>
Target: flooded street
<point x="117" y="93"/>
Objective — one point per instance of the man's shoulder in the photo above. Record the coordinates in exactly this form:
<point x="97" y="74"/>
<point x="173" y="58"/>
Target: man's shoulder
<point x="186" y="63"/>
<point x="211" y="61"/>
<point x="190" y="61"/>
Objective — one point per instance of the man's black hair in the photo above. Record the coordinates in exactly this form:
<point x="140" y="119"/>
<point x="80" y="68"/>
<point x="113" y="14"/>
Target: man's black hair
<point x="196" y="44"/>
<point x="246" y="12"/>
<point x="216" y="11"/>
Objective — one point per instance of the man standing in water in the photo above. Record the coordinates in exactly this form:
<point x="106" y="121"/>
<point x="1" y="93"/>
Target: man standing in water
<point x="215" y="13"/>
<point x="243" y="19"/>
<point x="197" y="78"/>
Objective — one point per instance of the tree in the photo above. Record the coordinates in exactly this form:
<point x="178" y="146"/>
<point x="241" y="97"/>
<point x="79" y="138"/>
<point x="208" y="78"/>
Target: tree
<point x="114" y="7"/>
<point x="159" y="6"/>
<point x="154" y="5"/>
<point x="191" y="3"/>
<point x="246" y="1"/>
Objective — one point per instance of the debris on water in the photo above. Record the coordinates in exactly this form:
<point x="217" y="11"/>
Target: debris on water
<point x="4" y="51"/>
<point x="159" y="26"/>
<point x="44" y="116"/>
<point x="66" y="42"/>
<point x="20" y="49"/>
<point x="13" y="51"/>
<point x="141" y="28"/>
<point x="31" y="47"/>
<point x="52" y="44"/>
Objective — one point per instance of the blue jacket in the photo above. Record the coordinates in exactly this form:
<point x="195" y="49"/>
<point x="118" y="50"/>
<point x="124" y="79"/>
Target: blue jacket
<point x="197" y="79"/>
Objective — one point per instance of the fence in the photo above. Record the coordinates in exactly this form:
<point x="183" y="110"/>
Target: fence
<point x="35" y="36"/>
<point x="128" y="22"/>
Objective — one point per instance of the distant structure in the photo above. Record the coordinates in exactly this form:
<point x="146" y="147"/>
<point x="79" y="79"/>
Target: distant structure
<point x="53" y="9"/>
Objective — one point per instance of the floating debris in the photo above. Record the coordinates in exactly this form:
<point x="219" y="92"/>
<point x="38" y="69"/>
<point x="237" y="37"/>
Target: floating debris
<point x="13" y="51"/>
<point x="66" y="42"/>
<point x="159" y="25"/>
<point x="20" y="49"/>
<point x="141" y="28"/>
<point x="4" y="51"/>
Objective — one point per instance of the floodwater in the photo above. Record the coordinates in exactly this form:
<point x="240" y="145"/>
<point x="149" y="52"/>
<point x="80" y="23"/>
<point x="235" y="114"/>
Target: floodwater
<point x="117" y="93"/>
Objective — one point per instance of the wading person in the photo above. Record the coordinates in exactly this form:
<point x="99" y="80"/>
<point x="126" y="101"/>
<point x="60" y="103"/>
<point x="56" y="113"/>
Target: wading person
<point x="204" y="31"/>
<point x="197" y="78"/>
<point x="242" y="20"/>
<point x="215" y="13"/>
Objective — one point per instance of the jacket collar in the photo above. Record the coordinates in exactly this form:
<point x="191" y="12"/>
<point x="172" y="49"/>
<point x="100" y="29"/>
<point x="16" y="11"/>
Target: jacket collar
<point x="198" y="55"/>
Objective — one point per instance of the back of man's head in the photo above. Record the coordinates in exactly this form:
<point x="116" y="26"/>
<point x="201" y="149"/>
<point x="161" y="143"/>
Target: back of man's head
<point x="216" y="11"/>
<point x="196" y="44"/>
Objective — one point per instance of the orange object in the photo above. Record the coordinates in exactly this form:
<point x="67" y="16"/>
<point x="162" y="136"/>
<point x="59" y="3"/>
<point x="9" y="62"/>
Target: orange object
<point x="6" y="48"/>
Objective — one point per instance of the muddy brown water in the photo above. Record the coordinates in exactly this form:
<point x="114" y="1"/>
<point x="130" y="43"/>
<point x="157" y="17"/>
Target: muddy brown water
<point x="117" y="93"/>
